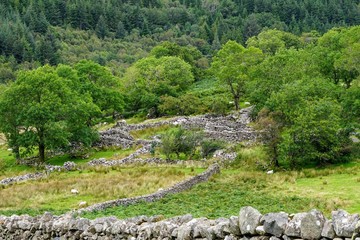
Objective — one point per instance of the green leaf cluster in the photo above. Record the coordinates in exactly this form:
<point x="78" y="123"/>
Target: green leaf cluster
<point x="53" y="108"/>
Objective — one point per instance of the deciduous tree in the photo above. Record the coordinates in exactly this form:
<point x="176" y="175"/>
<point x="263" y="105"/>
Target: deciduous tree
<point x="232" y="65"/>
<point x="40" y="109"/>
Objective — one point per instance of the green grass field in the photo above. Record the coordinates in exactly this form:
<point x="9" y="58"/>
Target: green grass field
<point x="226" y="193"/>
<point x="291" y="191"/>
<point x="94" y="185"/>
<point x="239" y="184"/>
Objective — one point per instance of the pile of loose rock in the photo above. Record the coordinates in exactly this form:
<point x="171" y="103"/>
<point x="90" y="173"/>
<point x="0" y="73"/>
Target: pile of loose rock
<point x="248" y="225"/>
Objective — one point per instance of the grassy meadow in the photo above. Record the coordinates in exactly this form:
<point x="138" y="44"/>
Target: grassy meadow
<point x="223" y="196"/>
<point x="95" y="185"/>
<point x="241" y="183"/>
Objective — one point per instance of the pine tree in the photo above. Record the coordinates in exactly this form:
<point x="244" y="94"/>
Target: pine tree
<point x="120" y="30"/>
<point x="101" y="28"/>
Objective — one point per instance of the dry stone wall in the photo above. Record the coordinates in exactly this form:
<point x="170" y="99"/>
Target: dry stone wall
<point x="232" y="128"/>
<point x="68" y="166"/>
<point x="249" y="224"/>
<point x="179" y="187"/>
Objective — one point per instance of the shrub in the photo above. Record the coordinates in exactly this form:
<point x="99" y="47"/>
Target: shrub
<point x="179" y="140"/>
<point x="208" y="147"/>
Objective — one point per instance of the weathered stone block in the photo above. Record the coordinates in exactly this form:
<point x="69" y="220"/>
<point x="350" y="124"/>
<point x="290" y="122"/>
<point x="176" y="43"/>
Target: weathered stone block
<point x="275" y="223"/>
<point x="312" y="224"/>
<point x="249" y="219"/>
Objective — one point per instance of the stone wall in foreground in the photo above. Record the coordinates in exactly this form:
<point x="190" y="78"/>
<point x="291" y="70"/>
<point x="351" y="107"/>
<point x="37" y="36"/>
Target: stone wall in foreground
<point x="250" y="224"/>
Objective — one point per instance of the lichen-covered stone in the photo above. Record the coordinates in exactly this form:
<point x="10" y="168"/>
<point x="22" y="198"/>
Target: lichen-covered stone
<point x="275" y="223"/>
<point x="328" y="230"/>
<point x="312" y="224"/>
<point x="249" y="219"/>
<point x="344" y="223"/>
<point x="293" y="227"/>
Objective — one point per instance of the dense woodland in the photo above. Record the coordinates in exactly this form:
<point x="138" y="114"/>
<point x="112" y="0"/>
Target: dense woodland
<point x="47" y="30"/>
<point x="71" y="64"/>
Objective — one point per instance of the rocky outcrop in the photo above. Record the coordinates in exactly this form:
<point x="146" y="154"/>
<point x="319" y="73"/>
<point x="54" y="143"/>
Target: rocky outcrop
<point x="184" y="227"/>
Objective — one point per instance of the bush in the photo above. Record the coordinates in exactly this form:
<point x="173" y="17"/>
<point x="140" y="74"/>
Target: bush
<point x="208" y="147"/>
<point x="219" y="106"/>
<point x="184" y="105"/>
<point x="178" y="140"/>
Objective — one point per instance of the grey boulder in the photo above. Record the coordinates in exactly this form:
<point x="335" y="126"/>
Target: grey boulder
<point x="328" y="230"/>
<point x="275" y="223"/>
<point x="312" y="224"/>
<point x="293" y="227"/>
<point x="344" y="223"/>
<point x="249" y="219"/>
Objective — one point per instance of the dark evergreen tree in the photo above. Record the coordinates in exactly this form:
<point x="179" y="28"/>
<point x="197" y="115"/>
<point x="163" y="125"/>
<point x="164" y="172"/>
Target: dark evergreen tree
<point x="120" y="30"/>
<point x="101" y="27"/>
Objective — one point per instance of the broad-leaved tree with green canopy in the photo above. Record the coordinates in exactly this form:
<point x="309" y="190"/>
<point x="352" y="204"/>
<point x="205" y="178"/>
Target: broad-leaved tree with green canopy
<point x="232" y="65"/>
<point x="41" y="110"/>
<point x="150" y="78"/>
<point x="102" y="85"/>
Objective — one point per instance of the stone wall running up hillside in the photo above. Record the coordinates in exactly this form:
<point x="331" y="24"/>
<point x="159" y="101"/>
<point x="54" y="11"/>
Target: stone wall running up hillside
<point x="250" y="224"/>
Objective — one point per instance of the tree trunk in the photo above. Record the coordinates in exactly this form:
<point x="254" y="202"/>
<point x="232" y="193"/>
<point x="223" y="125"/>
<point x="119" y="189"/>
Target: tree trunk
<point x="16" y="152"/>
<point x="41" y="146"/>
<point x="41" y="152"/>
<point x="275" y="158"/>
<point x="236" y="101"/>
